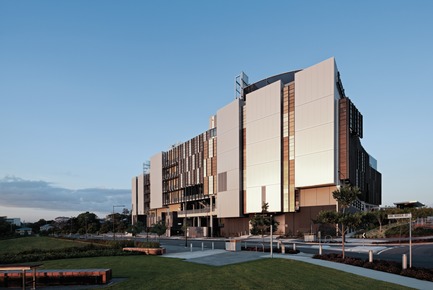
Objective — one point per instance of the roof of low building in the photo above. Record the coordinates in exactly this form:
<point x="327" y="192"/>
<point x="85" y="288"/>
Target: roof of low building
<point x="412" y="203"/>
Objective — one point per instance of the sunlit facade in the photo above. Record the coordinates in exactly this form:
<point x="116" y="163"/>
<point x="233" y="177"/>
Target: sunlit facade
<point x="289" y="140"/>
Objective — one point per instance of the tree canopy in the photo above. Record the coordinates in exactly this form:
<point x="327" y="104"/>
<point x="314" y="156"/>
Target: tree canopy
<point x="345" y="196"/>
<point x="261" y="223"/>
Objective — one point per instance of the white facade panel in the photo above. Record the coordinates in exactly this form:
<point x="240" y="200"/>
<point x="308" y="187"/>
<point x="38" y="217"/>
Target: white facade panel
<point x="134" y="195"/>
<point x="263" y="174"/>
<point x="263" y="147"/>
<point x="233" y="181"/>
<point x="231" y="161"/>
<point x="140" y="194"/>
<point x="311" y="114"/>
<point x="156" y="181"/>
<point x="264" y="128"/>
<point x="254" y="199"/>
<point x="267" y="151"/>
<point x="228" y="201"/>
<point x="318" y="169"/>
<point x="308" y="144"/>
<point x="315" y="82"/>
<point x="273" y="197"/>
<point x="316" y="125"/>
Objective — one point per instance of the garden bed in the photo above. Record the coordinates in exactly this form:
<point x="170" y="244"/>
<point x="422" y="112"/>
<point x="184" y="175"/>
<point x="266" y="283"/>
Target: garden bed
<point x="380" y="265"/>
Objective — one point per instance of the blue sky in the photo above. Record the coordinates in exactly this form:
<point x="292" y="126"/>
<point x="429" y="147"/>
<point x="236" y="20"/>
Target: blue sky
<point x="91" y="89"/>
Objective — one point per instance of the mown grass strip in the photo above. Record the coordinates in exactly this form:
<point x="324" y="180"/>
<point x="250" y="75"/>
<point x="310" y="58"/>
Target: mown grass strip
<point x="41" y="243"/>
<point x="149" y="272"/>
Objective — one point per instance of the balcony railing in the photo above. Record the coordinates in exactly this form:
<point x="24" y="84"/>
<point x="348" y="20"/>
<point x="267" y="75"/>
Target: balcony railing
<point x="197" y="211"/>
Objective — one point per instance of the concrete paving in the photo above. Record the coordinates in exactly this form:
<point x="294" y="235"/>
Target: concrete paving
<point x="188" y="255"/>
<point x="222" y="257"/>
<point x="356" y="249"/>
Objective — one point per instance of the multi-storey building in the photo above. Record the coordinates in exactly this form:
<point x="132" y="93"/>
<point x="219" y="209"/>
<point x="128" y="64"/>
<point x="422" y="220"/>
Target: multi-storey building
<point x="289" y="140"/>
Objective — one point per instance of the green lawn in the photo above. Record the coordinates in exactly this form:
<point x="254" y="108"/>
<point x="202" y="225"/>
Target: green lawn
<point x="30" y="243"/>
<point x="153" y="272"/>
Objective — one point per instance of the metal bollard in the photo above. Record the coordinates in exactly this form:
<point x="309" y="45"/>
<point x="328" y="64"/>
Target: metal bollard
<point x="404" y="262"/>
<point x="202" y="246"/>
<point x="190" y="245"/>
<point x="370" y="256"/>
<point x="294" y="247"/>
<point x="320" y="250"/>
<point x="213" y="246"/>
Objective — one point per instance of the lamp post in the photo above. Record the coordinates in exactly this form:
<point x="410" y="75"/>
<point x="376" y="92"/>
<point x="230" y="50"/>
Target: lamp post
<point x="186" y="225"/>
<point x="114" y="232"/>
<point x="271" y="244"/>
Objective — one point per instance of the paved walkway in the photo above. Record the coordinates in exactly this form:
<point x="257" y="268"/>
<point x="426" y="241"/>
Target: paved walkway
<point x="222" y="257"/>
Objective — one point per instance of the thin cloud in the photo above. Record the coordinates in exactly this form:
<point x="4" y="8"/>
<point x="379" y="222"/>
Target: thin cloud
<point x="19" y="193"/>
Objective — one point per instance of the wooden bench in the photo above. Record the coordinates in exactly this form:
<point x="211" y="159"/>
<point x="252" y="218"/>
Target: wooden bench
<point x="147" y="251"/>
<point x="54" y="276"/>
<point x="21" y="270"/>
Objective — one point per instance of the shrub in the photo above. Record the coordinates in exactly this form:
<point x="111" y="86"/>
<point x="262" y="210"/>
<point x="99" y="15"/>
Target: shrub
<point x="403" y="230"/>
<point x="397" y="231"/>
<point x="36" y="255"/>
<point x="422" y="232"/>
<point x="147" y="245"/>
<point x="292" y="252"/>
<point x="368" y="265"/>
<point x="121" y="244"/>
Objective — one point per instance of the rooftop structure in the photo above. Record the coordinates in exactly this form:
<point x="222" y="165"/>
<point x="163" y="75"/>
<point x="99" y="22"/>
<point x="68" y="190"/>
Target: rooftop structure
<point x="409" y="204"/>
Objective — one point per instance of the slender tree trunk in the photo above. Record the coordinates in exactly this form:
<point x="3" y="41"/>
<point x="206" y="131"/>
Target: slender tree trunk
<point x="343" y="235"/>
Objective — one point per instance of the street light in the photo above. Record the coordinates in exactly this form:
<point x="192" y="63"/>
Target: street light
<point x="186" y="225"/>
<point x="271" y="242"/>
<point x="114" y="232"/>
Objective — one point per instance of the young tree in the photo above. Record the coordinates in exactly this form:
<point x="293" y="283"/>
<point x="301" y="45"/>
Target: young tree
<point x="159" y="228"/>
<point x="261" y="223"/>
<point x="136" y="228"/>
<point x="380" y="216"/>
<point x="344" y="196"/>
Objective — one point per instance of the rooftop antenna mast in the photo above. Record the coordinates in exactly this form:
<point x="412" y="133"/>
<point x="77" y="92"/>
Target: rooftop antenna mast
<point x="241" y="82"/>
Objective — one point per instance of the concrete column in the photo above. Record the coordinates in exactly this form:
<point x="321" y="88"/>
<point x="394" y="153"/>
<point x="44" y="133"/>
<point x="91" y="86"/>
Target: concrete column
<point x="211" y="219"/>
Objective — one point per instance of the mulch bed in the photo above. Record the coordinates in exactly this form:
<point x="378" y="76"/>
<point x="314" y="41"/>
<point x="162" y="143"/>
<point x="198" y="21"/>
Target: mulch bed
<point x="381" y="265"/>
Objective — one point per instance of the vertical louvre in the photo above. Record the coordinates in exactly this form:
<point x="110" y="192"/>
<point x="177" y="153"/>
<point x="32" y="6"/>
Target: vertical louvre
<point x="343" y="139"/>
<point x="285" y="149"/>
<point x="292" y="201"/>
